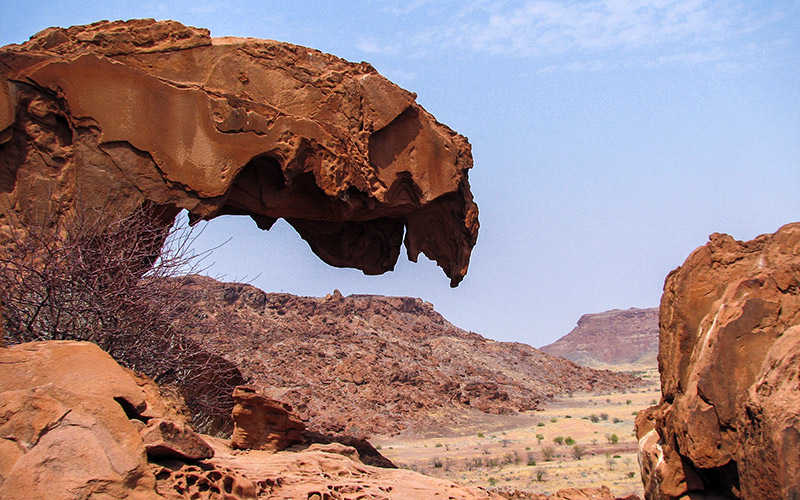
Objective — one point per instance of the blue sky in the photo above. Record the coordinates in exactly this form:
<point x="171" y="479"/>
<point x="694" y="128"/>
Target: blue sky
<point x="610" y="138"/>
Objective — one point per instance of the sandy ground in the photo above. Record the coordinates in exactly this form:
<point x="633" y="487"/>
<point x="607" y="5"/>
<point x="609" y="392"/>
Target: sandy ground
<point x="514" y="451"/>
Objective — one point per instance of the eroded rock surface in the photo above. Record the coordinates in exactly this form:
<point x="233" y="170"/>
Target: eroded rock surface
<point x="263" y="424"/>
<point x="728" y="424"/>
<point x="64" y="432"/>
<point x="114" y="114"/>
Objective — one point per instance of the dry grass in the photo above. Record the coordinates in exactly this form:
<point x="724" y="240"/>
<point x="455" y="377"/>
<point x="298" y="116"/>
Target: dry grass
<point x="504" y="451"/>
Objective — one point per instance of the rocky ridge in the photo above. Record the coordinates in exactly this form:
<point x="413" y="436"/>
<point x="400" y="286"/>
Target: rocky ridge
<point x="728" y="424"/>
<point x="613" y="337"/>
<point x="371" y="364"/>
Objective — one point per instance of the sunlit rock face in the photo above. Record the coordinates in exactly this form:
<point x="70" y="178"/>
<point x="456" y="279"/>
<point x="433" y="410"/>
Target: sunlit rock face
<point x="728" y="424"/>
<point x="116" y="114"/>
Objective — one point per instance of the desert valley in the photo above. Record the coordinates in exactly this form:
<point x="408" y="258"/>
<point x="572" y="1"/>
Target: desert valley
<point x="124" y="377"/>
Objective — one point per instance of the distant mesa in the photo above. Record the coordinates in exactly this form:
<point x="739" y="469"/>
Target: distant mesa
<point x="616" y="337"/>
<point x="115" y="115"/>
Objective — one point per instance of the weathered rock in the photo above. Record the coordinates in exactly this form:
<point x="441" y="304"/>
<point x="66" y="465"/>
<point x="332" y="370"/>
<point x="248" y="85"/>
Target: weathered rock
<point x="202" y="481"/>
<point x="167" y="439"/>
<point x="321" y="474"/>
<point x="728" y="420"/>
<point x="64" y="432"/>
<point x="114" y="114"/>
<point x="262" y="423"/>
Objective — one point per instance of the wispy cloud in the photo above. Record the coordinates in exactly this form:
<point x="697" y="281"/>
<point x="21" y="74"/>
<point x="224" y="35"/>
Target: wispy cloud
<point x="590" y="34"/>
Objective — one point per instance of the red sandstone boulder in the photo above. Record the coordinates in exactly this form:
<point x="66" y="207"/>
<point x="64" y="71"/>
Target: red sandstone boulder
<point x="728" y="421"/>
<point x="262" y="423"/>
<point x="167" y="439"/>
<point x="64" y="433"/>
<point x="116" y="114"/>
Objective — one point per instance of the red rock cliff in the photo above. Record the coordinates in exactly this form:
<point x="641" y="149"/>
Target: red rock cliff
<point x="729" y="419"/>
<point x="116" y="114"/>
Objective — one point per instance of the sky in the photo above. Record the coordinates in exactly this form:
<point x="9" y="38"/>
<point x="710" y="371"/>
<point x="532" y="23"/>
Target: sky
<point x="610" y="138"/>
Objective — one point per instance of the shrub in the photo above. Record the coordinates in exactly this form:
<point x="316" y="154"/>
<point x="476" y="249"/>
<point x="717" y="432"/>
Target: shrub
<point x="558" y="440"/>
<point x="531" y="458"/>
<point x="612" y="438"/>
<point x="540" y="438"/>
<point x="604" y="416"/>
<point x="480" y="435"/>
<point x="548" y="453"/>
<point x="569" y="441"/>
<point x="594" y="418"/>
<point x="617" y="420"/>
<point x="91" y="275"/>
<point x="578" y="451"/>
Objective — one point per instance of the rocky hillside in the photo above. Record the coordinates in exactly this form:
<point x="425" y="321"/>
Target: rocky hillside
<point x="371" y="364"/>
<point x="611" y="338"/>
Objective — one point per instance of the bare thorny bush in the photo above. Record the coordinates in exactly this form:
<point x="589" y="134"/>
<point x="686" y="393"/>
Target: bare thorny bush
<point x="115" y="282"/>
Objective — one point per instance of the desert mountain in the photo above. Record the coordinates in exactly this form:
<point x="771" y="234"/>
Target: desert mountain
<point x="610" y="338"/>
<point x="367" y="364"/>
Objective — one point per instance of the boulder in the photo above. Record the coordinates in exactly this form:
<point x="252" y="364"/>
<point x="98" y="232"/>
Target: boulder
<point x="64" y="431"/>
<point x="114" y="115"/>
<point x="167" y="439"/>
<point x="727" y="425"/>
<point x="263" y="424"/>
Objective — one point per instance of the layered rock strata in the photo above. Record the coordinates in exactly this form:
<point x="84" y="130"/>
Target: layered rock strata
<point x="113" y="115"/>
<point x="728" y="424"/>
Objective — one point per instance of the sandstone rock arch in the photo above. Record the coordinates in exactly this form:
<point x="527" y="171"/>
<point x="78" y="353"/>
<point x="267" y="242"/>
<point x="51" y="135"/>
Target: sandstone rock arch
<point x="117" y="114"/>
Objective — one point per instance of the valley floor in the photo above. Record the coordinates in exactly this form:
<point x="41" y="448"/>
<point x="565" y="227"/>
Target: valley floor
<point x="523" y="451"/>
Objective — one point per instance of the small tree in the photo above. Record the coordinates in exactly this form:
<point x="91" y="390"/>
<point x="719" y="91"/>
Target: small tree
<point x="548" y="452"/>
<point x="578" y="451"/>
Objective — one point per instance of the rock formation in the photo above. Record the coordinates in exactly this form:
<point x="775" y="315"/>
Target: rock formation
<point x="262" y="423"/>
<point x="72" y="424"/>
<point x="728" y="425"/>
<point x="114" y="115"/>
<point x="611" y="337"/>
<point x="64" y="431"/>
<point x="368" y="365"/>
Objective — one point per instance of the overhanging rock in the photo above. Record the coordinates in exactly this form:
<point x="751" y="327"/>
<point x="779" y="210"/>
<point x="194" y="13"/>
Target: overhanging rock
<point x="117" y="114"/>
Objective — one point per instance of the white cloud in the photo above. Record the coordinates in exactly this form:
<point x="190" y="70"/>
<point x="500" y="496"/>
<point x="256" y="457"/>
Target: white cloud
<point x="642" y="32"/>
